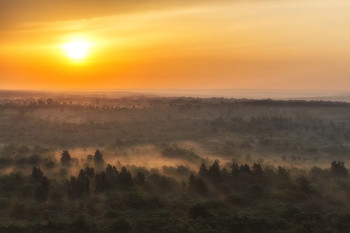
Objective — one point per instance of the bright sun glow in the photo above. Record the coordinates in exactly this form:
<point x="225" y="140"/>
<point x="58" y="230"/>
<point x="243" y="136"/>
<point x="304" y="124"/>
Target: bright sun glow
<point x="77" y="50"/>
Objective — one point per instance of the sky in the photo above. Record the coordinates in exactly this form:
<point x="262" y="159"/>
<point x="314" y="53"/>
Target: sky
<point x="182" y="44"/>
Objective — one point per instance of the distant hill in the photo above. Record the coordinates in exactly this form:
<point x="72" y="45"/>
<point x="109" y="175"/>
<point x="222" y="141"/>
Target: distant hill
<point x="279" y="94"/>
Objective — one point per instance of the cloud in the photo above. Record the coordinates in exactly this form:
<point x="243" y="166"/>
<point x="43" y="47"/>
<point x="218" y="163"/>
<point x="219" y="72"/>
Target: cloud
<point x="13" y="13"/>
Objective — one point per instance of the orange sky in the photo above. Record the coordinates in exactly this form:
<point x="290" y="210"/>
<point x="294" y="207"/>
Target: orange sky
<point x="188" y="44"/>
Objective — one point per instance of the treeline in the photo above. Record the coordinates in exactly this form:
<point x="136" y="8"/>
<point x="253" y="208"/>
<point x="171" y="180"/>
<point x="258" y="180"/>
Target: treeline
<point x="26" y="105"/>
<point x="86" y="102"/>
<point x="256" y="127"/>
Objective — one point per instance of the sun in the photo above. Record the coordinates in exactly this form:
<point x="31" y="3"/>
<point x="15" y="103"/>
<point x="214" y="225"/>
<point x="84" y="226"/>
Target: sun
<point x="77" y="50"/>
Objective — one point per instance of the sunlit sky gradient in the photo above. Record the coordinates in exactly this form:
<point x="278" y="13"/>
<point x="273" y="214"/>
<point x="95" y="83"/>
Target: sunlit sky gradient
<point x="278" y="44"/>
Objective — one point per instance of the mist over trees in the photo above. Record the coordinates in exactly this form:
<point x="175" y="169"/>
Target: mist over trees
<point x="213" y="198"/>
<point x="151" y="164"/>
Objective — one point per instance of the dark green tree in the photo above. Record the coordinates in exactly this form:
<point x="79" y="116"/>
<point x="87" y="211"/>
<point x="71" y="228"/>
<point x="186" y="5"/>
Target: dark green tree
<point x="140" y="178"/>
<point x="90" y="172"/>
<point x="65" y="158"/>
<point x="42" y="190"/>
<point x="338" y="168"/>
<point x="197" y="185"/>
<point x="192" y="181"/>
<point x="283" y="173"/>
<point x="42" y="185"/>
<point x="101" y="181"/>
<point x="257" y="170"/>
<point x="83" y="183"/>
<point x="245" y="168"/>
<point x="214" y="170"/>
<point x="37" y="174"/>
<point x="203" y="170"/>
<point x="234" y="169"/>
<point x="111" y="171"/>
<point x="71" y="187"/>
<point x="125" y="176"/>
<point x="98" y="157"/>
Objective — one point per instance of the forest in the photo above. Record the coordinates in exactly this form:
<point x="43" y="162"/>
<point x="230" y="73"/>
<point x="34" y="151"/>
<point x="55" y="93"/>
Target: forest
<point x="142" y="163"/>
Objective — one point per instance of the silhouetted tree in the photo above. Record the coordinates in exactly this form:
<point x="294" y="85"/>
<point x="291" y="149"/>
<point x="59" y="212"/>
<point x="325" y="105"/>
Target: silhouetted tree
<point x="234" y="169"/>
<point x="112" y="175"/>
<point x="98" y="161"/>
<point x="90" y="172"/>
<point x="111" y="171"/>
<point x="245" y="168"/>
<point x="338" y="168"/>
<point x="100" y="181"/>
<point x="83" y="183"/>
<point x="90" y="158"/>
<point x="140" y="178"/>
<point x="37" y="174"/>
<point x="214" y="170"/>
<point x="98" y="157"/>
<point x="203" y="171"/>
<point x="42" y="188"/>
<point x="125" y="176"/>
<point x="225" y="175"/>
<point x="65" y="158"/>
<point x="197" y="185"/>
<point x="71" y="186"/>
<point x="77" y="187"/>
<point x="192" y="180"/>
<point x="257" y="170"/>
<point x="283" y="173"/>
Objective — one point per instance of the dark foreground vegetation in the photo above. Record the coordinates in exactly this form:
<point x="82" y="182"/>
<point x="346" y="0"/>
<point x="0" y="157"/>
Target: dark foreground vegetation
<point x="281" y="165"/>
<point x="214" y="198"/>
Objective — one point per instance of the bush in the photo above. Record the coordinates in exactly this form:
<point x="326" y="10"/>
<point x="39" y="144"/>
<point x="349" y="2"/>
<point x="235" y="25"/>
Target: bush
<point x="121" y="225"/>
<point x="199" y="210"/>
<point x="237" y="199"/>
